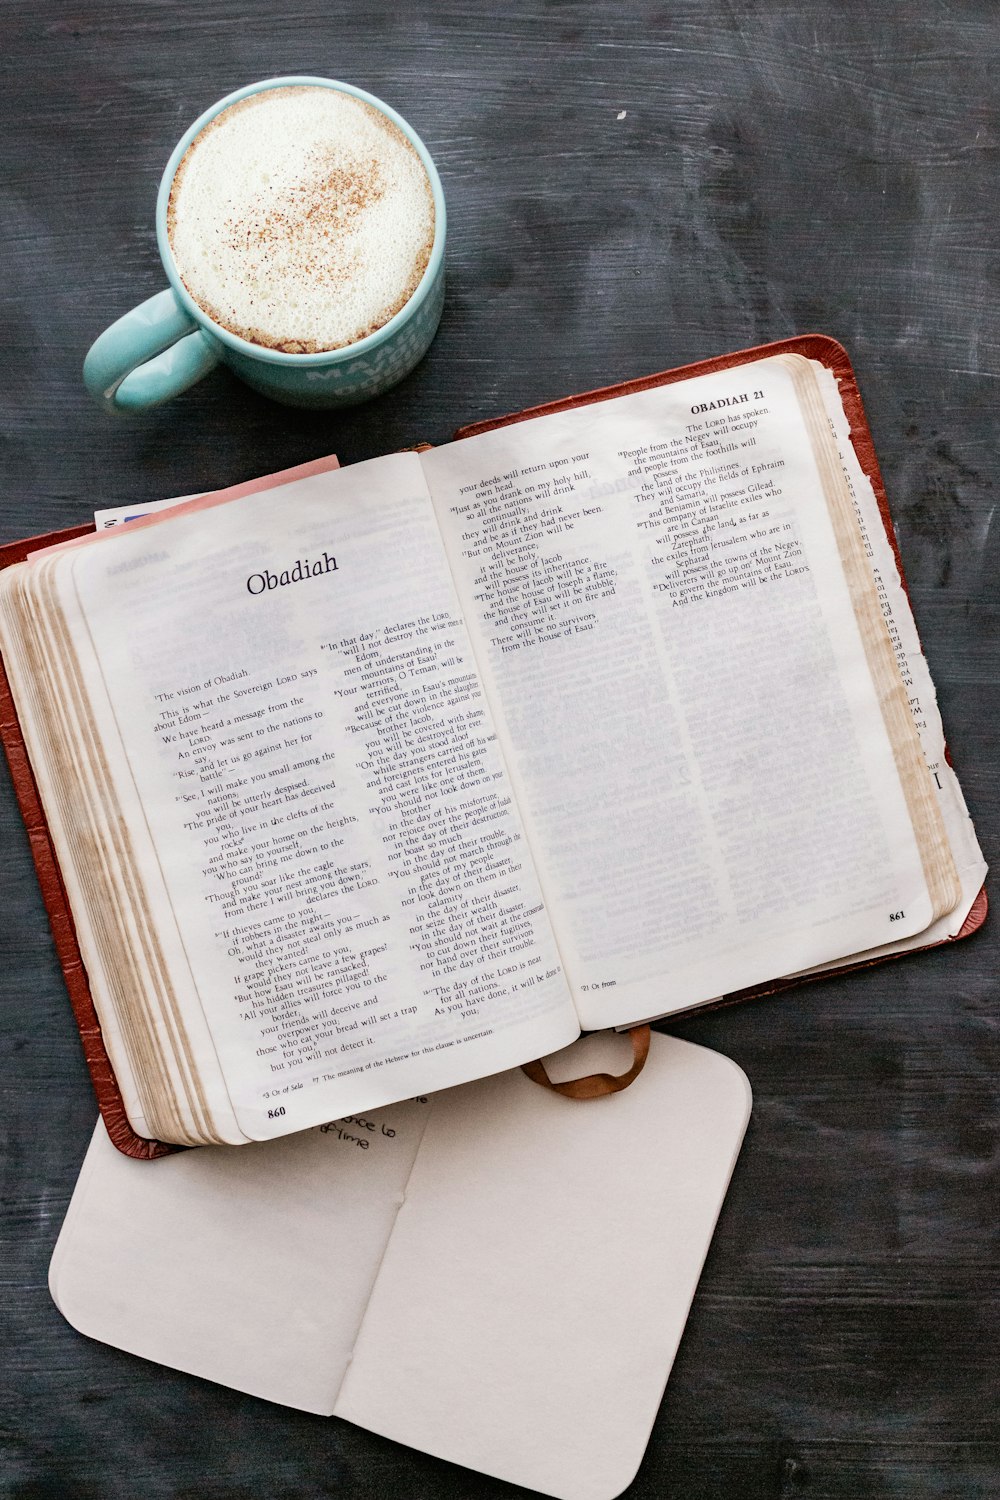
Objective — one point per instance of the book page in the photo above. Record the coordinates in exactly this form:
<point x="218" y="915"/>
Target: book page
<point x="667" y="637"/>
<point x="540" y="1272"/>
<point x="295" y="699"/>
<point x="252" y="1267"/>
<point x="916" y="676"/>
<point x="90" y="825"/>
<point x="91" y="822"/>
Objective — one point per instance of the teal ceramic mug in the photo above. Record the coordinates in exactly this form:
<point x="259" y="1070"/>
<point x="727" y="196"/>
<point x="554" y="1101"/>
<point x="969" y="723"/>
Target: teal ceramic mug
<point x="167" y="343"/>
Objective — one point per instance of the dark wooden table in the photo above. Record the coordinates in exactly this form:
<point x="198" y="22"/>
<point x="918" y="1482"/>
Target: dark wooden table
<point x="630" y="186"/>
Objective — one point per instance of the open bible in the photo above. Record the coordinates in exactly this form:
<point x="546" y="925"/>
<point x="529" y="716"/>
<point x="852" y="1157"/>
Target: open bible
<point x="406" y="773"/>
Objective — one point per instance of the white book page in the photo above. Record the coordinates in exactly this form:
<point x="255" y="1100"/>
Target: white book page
<point x="251" y="1267"/>
<point x="902" y="628"/>
<point x="182" y="1047"/>
<point x="539" y="1275"/>
<point x="298" y="706"/>
<point x="679" y="684"/>
<point x="969" y="862"/>
<point x="29" y="686"/>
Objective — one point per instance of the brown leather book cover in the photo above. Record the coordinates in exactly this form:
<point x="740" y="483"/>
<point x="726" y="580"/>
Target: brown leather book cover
<point x="813" y="346"/>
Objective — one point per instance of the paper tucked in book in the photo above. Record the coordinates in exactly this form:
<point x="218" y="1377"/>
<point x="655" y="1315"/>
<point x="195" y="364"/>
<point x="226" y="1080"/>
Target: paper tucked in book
<point x="408" y="776"/>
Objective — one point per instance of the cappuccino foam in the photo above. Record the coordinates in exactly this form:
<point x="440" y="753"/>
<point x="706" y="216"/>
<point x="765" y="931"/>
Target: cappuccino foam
<point x="301" y="219"/>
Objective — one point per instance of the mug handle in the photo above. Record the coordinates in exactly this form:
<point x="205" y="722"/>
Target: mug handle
<point x="152" y="353"/>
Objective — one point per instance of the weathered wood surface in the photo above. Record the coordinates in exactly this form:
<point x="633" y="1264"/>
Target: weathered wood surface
<point x="777" y="168"/>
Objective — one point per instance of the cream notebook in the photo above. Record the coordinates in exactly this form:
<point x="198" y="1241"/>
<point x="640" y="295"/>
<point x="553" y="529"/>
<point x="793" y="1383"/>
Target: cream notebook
<point x="495" y="1275"/>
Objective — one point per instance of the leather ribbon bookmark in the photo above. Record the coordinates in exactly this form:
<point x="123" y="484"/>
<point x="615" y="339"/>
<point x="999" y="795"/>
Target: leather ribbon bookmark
<point x="595" y="1085"/>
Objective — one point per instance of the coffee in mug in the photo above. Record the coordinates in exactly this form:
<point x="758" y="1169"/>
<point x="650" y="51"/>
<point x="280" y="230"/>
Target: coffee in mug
<point x="301" y="219"/>
<point x="301" y="225"/>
